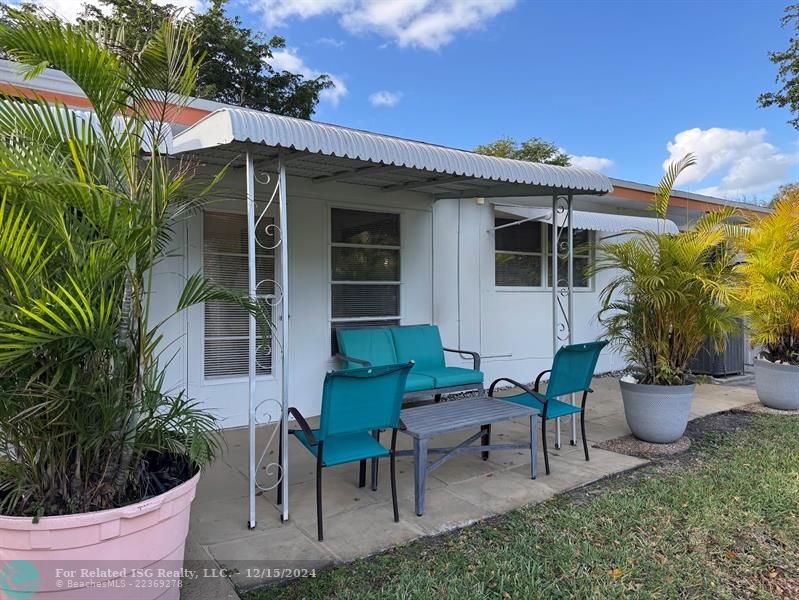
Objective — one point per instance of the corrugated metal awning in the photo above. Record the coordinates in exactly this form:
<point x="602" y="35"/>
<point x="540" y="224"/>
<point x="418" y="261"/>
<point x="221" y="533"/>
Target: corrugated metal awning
<point x="592" y="220"/>
<point x="324" y="152"/>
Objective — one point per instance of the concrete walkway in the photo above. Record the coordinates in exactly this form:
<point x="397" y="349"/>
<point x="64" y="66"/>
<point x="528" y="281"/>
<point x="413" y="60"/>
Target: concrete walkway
<point x="359" y="522"/>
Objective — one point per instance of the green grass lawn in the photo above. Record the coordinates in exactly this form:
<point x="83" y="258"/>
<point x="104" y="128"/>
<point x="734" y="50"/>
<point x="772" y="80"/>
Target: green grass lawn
<point x="722" y="522"/>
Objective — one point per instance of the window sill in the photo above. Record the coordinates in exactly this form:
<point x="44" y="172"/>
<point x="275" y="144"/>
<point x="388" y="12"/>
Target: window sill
<point x="547" y="290"/>
<point x="223" y="380"/>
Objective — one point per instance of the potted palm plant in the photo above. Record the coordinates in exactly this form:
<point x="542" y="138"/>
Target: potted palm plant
<point x="98" y="462"/>
<point x="769" y="296"/>
<point x="667" y="293"/>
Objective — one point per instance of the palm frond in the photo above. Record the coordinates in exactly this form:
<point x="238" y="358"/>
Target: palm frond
<point x="662" y="194"/>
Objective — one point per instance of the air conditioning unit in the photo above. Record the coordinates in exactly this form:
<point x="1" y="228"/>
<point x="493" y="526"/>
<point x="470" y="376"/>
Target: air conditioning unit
<point x="728" y="362"/>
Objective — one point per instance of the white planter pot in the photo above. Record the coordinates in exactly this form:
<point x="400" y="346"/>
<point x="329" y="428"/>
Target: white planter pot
<point x="149" y="536"/>
<point x="657" y="413"/>
<point x="777" y="385"/>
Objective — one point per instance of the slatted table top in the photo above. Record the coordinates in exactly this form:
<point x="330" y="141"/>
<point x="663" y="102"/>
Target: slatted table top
<point x="444" y="417"/>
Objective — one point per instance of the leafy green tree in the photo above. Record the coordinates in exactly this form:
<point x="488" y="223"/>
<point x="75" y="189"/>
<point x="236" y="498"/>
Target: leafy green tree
<point x="236" y="65"/>
<point x="788" y="189"/>
<point x="787" y="62"/>
<point x="533" y="150"/>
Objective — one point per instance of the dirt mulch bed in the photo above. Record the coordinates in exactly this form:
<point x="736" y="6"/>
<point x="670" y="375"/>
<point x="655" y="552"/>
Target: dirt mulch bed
<point x="632" y="446"/>
<point x="697" y="430"/>
<point x="758" y="408"/>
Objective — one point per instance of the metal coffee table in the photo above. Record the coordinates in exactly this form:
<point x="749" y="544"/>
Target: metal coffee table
<point x="425" y="422"/>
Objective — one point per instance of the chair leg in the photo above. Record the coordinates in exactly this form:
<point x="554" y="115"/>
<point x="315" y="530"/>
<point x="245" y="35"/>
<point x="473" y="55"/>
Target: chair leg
<point x="280" y="462"/>
<point x="544" y="442"/>
<point x="437" y="398"/>
<point x="582" y="428"/>
<point x="394" y="474"/>
<point x="362" y="473"/>
<point x="485" y="440"/>
<point x="376" y="435"/>
<point x="319" y="527"/>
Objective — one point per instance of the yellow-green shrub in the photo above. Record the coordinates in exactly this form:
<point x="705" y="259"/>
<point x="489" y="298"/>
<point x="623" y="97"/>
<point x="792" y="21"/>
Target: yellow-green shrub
<point x="769" y="280"/>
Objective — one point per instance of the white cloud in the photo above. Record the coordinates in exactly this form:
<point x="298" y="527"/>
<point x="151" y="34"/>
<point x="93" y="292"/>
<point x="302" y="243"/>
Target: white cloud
<point x="70" y="9"/>
<point x="385" y="98"/>
<point x="594" y="163"/>
<point x="329" y="41"/>
<point x="289" y="60"/>
<point x="742" y="162"/>
<point x="417" y="23"/>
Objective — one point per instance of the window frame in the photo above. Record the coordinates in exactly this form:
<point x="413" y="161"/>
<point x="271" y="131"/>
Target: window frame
<point x="269" y="373"/>
<point x="393" y="319"/>
<point x="546" y="259"/>
<point x="588" y="254"/>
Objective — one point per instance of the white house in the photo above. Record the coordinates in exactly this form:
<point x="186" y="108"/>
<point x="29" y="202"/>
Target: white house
<point x="372" y="239"/>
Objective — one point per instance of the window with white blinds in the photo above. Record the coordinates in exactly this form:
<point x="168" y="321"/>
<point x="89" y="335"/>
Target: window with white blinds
<point x="364" y="269"/>
<point x="225" y="263"/>
<point x="523" y="254"/>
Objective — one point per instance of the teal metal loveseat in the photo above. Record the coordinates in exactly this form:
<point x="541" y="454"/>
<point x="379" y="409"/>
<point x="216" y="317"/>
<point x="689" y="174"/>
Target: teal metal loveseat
<point x="430" y="376"/>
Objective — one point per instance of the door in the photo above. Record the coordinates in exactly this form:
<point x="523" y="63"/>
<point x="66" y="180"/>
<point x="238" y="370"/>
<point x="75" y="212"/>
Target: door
<point x="217" y="333"/>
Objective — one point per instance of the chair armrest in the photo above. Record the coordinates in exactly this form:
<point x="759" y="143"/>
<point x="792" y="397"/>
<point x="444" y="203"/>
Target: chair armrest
<point x="475" y="356"/>
<point x="306" y="429"/>
<point x="538" y="379"/>
<point x="359" y="361"/>
<point x="525" y="388"/>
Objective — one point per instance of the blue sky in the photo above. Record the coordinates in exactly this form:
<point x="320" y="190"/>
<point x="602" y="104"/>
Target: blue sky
<point x="614" y="81"/>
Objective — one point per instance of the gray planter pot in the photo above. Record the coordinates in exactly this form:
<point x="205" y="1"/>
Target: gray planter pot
<point x="657" y="413"/>
<point x="777" y="385"/>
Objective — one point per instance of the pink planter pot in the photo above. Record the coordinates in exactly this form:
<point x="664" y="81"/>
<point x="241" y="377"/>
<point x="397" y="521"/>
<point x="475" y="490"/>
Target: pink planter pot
<point x="132" y="552"/>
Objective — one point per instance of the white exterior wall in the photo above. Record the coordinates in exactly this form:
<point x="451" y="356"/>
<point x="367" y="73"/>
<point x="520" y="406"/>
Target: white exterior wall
<point x="511" y="328"/>
<point x="309" y="279"/>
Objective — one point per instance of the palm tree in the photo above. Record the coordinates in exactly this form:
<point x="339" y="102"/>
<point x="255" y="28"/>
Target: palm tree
<point x="89" y="203"/>
<point x="668" y="293"/>
<point x="769" y="290"/>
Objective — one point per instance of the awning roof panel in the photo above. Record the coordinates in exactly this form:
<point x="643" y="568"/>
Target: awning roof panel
<point x="594" y="221"/>
<point x="426" y="168"/>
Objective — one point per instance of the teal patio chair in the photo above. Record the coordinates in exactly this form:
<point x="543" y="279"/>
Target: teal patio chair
<point x="355" y="403"/>
<point x="571" y="373"/>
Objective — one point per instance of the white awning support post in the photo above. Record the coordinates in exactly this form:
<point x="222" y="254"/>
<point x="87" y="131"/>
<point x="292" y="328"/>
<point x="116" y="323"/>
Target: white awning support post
<point x="252" y="339"/>
<point x="570" y="302"/>
<point x="562" y="292"/>
<point x="284" y="347"/>
<point x="281" y="298"/>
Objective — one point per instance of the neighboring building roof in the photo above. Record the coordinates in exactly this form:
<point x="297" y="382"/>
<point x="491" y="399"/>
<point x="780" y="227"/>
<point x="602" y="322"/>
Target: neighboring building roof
<point x="54" y="86"/>
<point x="619" y="184"/>
<point x="233" y="128"/>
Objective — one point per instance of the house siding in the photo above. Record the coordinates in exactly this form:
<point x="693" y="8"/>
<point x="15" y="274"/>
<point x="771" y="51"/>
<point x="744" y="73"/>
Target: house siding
<point x="309" y="280"/>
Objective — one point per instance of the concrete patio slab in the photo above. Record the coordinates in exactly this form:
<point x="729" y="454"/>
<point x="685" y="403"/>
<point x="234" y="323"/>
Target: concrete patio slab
<point x="251" y="561"/>
<point x="197" y="559"/>
<point x="444" y="510"/>
<point x="359" y="522"/>
<point x="362" y="532"/>
<point x="500" y="492"/>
